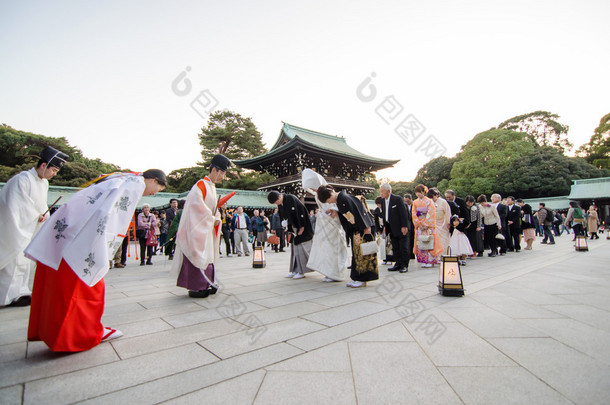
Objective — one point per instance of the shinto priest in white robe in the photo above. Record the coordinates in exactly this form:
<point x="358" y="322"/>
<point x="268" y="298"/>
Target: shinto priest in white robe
<point x="329" y="248"/>
<point x="73" y="249"/>
<point x="22" y="200"/>
<point x="197" y="239"/>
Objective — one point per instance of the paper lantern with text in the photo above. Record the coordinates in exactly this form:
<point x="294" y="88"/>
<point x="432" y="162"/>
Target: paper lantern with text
<point x="581" y="244"/>
<point x="258" y="258"/>
<point x="450" y="277"/>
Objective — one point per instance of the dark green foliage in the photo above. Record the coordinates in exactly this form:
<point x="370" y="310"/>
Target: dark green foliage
<point x="542" y="127"/>
<point x="545" y="172"/>
<point x="248" y="181"/>
<point x="181" y="180"/>
<point x="433" y="172"/>
<point x="229" y="133"/>
<point x="18" y="150"/>
<point x="523" y="157"/>
<point x="402" y="187"/>
<point x="597" y="151"/>
<point x="477" y="167"/>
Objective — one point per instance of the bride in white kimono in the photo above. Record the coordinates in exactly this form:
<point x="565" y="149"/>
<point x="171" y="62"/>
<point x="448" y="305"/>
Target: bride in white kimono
<point x="329" y="248"/>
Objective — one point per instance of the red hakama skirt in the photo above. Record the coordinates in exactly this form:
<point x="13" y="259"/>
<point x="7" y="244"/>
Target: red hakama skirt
<point x="66" y="313"/>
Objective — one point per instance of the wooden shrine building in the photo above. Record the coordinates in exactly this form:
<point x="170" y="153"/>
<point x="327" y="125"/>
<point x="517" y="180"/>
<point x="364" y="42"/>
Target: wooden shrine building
<point x="297" y="148"/>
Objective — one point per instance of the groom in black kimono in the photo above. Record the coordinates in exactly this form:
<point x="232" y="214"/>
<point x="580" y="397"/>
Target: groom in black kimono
<point x="294" y="211"/>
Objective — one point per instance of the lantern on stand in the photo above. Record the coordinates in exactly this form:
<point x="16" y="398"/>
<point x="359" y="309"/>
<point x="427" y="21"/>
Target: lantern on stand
<point x="581" y="244"/>
<point x="258" y="258"/>
<point x="450" y="277"/>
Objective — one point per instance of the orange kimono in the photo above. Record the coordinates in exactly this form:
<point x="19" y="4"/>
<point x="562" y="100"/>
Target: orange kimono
<point x="424" y="221"/>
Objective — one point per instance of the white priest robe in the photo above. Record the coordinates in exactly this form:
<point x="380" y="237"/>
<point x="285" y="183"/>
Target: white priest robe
<point x="88" y="229"/>
<point x="73" y="249"/>
<point x="197" y="238"/>
<point x="22" y="200"/>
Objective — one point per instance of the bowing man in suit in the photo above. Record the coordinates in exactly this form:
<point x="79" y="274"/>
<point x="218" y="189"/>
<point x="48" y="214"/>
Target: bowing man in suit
<point x="293" y="210"/>
<point x="395" y="219"/>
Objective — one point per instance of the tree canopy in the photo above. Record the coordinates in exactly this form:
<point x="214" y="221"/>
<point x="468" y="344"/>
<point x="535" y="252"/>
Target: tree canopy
<point x="597" y="151"/>
<point x="229" y="133"/>
<point x="542" y="127"/>
<point x="19" y="150"/>
<point x="477" y="167"/>
<point x="524" y="157"/>
<point x="545" y="172"/>
<point x="435" y="171"/>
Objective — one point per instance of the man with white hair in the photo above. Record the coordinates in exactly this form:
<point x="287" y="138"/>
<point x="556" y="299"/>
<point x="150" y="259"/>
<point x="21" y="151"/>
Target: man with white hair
<point x="396" y="225"/>
<point x="241" y="224"/>
<point x="496" y="200"/>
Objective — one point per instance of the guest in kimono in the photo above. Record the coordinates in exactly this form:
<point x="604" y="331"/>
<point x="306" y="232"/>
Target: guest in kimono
<point x="23" y="206"/>
<point x="198" y="236"/>
<point x="294" y="212"/>
<point x="357" y="222"/>
<point x="443" y="215"/>
<point x="424" y="221"/>
<point x="73" y="250"/>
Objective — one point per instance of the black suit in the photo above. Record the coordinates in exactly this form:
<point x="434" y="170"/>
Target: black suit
<point x="294" y="211"/>
<point x="170" y="246"/>
<point x="411" y="232"/>
<point x="458" y="207"/>
<point x="503" y="213"/>
<point x="398" y="218"/>
<point x="514" y="215"/>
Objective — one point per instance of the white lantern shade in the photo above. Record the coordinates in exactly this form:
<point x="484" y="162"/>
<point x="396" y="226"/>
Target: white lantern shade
<point x="450" y="277"/>
<point x="581" y="244"/>
<point x="258" y="258"/>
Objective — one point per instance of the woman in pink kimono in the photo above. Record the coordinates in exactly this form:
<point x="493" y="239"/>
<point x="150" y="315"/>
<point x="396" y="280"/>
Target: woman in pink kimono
<point x="424" y="221"/>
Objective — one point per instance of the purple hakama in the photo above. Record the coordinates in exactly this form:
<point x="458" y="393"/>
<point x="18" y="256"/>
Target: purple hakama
<point x="191" y="278"/>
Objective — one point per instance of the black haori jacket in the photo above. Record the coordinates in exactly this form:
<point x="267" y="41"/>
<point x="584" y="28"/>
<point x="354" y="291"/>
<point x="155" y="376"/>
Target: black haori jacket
<point x="347" y="204"/>
<point x="295" y="212"/>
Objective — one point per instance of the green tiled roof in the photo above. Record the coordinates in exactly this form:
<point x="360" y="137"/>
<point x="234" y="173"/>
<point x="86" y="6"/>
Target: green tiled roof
<point x="324" y="141"/>
<point x="245" y="198"/>
<point x="590" y="189"/>
<point x="552" y="203"/>
<point x="291" y="136"/>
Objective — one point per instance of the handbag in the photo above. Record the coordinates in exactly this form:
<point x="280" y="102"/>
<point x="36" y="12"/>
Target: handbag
<point x="425" y="242"/>
<point x="273" y="239"/>
<point x="140" y="233"/>
<point x="151" y="239"/>
<point x="499" y="236"/>
<point x="369" y="248"/>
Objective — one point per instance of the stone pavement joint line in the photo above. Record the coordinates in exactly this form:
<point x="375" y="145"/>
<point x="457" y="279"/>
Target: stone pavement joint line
<point x="533" y="327"/>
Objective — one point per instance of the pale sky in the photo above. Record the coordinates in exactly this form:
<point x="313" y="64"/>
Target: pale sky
<point x="100" y="73"/>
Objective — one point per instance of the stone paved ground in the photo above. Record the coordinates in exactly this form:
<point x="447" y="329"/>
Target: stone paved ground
<point x="534" y="327"/>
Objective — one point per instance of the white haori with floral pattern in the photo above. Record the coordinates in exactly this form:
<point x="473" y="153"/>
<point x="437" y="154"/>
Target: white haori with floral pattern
<point x="88" y="229"/>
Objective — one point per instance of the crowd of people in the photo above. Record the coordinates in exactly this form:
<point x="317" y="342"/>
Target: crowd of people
<point x="421" y="229"/>
<point x="74" y="251"/>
